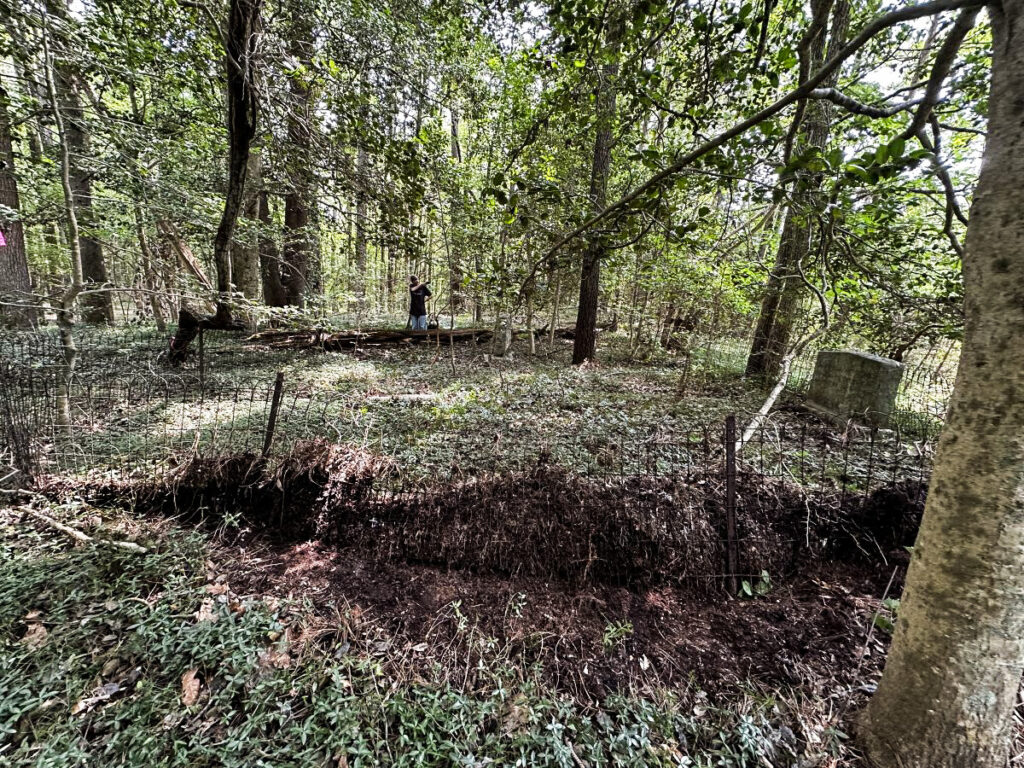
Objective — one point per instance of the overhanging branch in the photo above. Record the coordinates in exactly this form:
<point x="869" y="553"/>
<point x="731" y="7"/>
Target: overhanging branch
<point x="800" y="92"/>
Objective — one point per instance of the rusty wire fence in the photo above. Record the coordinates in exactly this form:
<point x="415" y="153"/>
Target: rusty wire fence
<point x="144" y="424"/>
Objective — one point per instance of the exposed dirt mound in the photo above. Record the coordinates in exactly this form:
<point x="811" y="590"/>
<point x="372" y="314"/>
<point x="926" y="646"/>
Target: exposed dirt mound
<point x="634" y="531"/>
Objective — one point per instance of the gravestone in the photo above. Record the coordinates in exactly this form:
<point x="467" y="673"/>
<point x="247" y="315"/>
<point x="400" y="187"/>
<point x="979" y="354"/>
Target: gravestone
<point x="848" y="384"/>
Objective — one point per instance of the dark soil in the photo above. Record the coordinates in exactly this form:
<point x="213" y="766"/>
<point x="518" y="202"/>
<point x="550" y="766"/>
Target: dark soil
<point x="602" y="582"/>
<point x="809" y="633"/>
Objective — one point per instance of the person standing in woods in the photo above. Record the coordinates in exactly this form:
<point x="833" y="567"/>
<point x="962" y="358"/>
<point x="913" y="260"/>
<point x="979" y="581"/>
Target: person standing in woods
<point x="418" y="295"/>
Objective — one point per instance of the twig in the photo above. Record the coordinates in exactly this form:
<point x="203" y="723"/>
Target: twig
<point x="76" y="534"/>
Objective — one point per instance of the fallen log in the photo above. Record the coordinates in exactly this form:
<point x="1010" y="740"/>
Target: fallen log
<point x="339" y="340"/>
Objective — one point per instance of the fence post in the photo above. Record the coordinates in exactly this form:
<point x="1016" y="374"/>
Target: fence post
<point x="275" y="405"/>
<point x="730" y="503"/>
<point x="202" y="361"/>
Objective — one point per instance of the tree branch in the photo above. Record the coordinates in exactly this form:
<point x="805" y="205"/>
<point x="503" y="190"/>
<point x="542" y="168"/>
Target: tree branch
<point x="852" y="105"/>
<point x="863" y="37"/>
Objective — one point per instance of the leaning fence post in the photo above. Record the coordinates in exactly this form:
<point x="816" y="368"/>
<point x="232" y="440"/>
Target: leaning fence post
<point x="730" y="503"/>
<point x="275" y="404"/>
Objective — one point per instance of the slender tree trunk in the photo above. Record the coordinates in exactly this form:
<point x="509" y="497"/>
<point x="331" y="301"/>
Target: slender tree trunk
<point x="457" y="238"/>
<point x="66" y="307"/>
<point x="949" y="688"/>
<point x="784" y="292"/>
<point x="555" y="309"/>
<point x="585" y="342"/>
<point x="362" y="179"/>
<point x="149" y="272"/>
<point x="274" y="294"/>
<point x="97" y="305"/>
<point x="14" y="276"/>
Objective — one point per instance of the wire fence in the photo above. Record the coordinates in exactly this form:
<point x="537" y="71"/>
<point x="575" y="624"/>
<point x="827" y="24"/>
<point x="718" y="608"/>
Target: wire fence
<point x="142" y="424"/>
<point x="130" y="412"/>
<point x="630" y="506"/>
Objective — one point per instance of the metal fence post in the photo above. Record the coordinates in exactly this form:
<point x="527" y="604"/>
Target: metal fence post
<point x="275" y="404"/>
<point x="732" y="552"/>
<point x="202" y="361"/>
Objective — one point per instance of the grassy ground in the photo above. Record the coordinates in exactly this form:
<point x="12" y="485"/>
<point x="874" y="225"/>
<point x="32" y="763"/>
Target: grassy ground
<point x="436" y="410"/>
<point x="110" y="657"/>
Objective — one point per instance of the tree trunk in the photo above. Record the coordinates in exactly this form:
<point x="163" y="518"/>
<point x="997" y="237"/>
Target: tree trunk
<point x="784" y="292"/>
<point x="299" y="259"/>
<point x="274" y="293"/>
<point x="97" y="305"/>
<point x="17" y="286"/>
<point x="951" y="679"/>
<point x="149" y="272"/>
<point x="66" y="307"/>
<point x="245" y="255"/>
<point x="585" y="342"/>
<point x="362" y="162"/>
<point x="243" y="108"/>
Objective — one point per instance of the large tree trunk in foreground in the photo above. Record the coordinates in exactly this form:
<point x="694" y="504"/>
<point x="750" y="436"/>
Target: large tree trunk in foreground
<point x="784" y="292"/>
<point x="950" y="683"/>
<point x="245" y="253"/>
<point x="585" y="344"/>
<point x="14" y="275"/>
<point x="243" y="106"/>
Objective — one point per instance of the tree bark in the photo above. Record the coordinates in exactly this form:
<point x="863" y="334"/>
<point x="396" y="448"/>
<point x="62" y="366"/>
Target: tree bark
<point x="243" y="110"/>
<point x="784" y="292"/>
<point x="362" y="163"/>
<point x="947" y="695"/>
<point x="66" y="307"/>
<point x="585" y="343"/>
<point x="149" y="271"/>
<point x="274" y="293"/>
<point x="245" y="254"/>
<point x="299" y="257"/>
<point x="97" y="305"/>
<point x="14" y="276"/>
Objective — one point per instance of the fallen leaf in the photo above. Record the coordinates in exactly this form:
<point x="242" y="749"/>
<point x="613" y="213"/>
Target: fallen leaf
<point x="190" y="688"/>
<point x="275" y="660"/>
<point x="35" y="634"/>
<point x="98" y="696"/>
<point x="217" y="589"/>
<point x="207" y="611"/>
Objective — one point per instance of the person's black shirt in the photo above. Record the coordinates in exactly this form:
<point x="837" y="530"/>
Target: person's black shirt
<point x="418" y="304"/>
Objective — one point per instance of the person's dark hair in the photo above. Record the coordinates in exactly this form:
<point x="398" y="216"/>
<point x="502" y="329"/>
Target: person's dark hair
<point x="413" y="279"/>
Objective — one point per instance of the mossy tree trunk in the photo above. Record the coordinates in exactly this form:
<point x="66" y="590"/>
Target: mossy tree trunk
<point x="950" y="684"/>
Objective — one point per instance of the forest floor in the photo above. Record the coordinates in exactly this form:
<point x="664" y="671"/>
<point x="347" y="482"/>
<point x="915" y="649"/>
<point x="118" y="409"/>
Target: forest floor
<point x="408" y="632"/>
